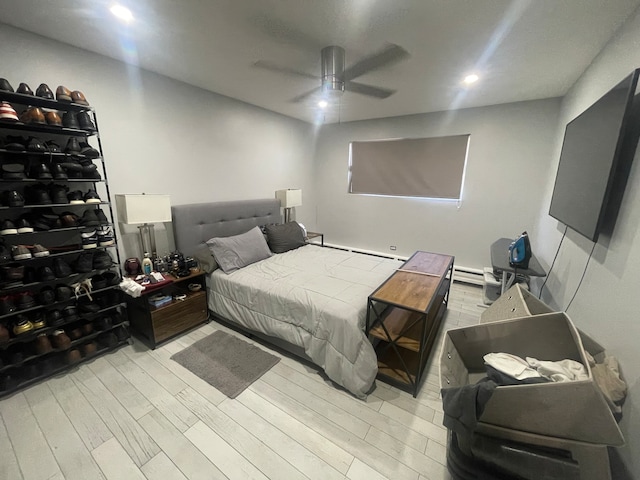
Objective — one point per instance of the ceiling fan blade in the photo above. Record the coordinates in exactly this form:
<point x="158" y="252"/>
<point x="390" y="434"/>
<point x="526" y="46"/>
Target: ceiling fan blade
<point x="280" y="69"/>
<point x="387" y="56"/>
<point x="363" y="89"/>
<point x="305" y="95"/>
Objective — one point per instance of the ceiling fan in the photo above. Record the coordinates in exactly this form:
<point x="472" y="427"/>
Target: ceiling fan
<point x="336" y="78"/>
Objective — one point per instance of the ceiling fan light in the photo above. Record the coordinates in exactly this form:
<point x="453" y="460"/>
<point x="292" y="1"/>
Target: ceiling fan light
<point x="122" y="12"/>
<point x="323" y="104"/>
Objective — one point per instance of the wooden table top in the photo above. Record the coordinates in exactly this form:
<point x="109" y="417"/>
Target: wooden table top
<point x="416" y="282"/>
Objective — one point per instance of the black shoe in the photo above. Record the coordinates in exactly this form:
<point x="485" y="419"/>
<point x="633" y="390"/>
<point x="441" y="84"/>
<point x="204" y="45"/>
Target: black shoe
<point x="87" y="306"/>
<point x="58" y="173"/>
<point x="35" y="145"/>
<point x="88" y="151"/>
<point x="54" y="318"/>
<point x="12" y="198"/>
<point x="89" y="239"/>
<point x="13" y="272"/>
<point x="25" y="300"/>
<point x="24" y="89"/>
<point x="69" y="120"/>
<point x="84" y="262"/>
<point x="16" y="144"/>
<point x="102" y="260"/>
<point x="63" y="293"/>
<point x="103" y="323"/>
<point x="46" y="296"/>
<point x="89" y="219"/>
<point x="75" y="198"/>
<point x="91" y="197"/>
<point x="45" y="274"/>
<point x="37" y="195"/>
<point x="5" y="255"/>
<point x="40" y="171"/>
<point x="73" y="147"/>
<point x="5" y="85"/>
<point x="85" y="122"/>
<point x="102" y="218"/>
<point x="6" y="305"/>
<point x="23" y="225"/>
<point x="13" y="171"/>
<point x="61" y="268"/>
<point x="44" y="91"/>
<point x="89" y="169"/>
<point x="52" y="147"/>
<point x="99" y="281"/>
<point x="112" y="278"/>
<point x="70" y="313"/>
<point x="7" y="227"/>
<point x="58" y="193"/>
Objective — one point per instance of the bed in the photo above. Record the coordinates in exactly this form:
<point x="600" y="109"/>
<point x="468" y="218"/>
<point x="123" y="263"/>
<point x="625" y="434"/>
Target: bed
<point x="310" y="300"/>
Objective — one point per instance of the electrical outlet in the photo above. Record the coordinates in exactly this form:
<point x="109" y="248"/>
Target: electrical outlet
<point x="392" y="248"/>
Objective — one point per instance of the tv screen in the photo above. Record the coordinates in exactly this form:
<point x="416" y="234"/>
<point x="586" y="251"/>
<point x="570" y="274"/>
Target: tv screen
<point x="594" y="143"/>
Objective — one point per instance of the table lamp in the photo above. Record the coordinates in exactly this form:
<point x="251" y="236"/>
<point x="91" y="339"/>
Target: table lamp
<point x="144" y="210"/>
<point x="289" y="198"/>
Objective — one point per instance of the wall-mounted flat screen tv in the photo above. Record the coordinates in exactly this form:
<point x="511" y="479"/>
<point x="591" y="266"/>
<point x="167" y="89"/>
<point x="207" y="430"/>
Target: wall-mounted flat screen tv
<point x="595" y="155"/>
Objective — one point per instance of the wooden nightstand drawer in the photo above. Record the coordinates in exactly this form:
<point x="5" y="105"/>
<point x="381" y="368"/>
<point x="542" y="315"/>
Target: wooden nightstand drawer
<point x="179" y="316"/>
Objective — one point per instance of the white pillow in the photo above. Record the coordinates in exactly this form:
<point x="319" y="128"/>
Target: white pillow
<point x="233" y="253"/>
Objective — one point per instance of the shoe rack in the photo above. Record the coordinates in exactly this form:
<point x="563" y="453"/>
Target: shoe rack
<point x="59" y="262"/>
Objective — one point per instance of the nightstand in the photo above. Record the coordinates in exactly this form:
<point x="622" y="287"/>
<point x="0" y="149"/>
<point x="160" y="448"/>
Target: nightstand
<point x="154" y="325"/>
<point x="311" y="235"/>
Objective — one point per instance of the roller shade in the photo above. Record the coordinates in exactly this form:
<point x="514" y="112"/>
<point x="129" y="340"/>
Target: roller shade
<point x="417" y="167"/>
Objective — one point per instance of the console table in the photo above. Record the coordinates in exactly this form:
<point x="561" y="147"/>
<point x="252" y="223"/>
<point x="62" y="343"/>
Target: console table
<point x="500" y="263"/>
<point x="404" y="315"/>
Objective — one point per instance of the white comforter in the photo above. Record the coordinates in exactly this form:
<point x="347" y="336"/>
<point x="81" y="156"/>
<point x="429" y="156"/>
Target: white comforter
<point x="312" y="297"/>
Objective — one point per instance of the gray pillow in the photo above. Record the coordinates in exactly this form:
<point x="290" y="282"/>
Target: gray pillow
<point x="238" y="251"/>
<point x="284" y="237"/>
<point x="205" y="258"/>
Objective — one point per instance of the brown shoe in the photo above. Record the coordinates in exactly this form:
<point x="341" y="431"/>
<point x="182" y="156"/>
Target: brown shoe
<point x="33" y="115"/>
<point x="75" y="334"/>
<point x="78" y="97"/>
<point x="73" y="356"/>
<point x="89" y="349"/>
<point x="4" y="334"/>
<point x="53" y="118"/>
<point x="63" y="94"/>
<point x="43" y="345"/>
<point x="60" y="340"/>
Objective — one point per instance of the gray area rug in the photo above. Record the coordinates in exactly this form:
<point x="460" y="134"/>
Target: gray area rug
<point x="226" y="362"/>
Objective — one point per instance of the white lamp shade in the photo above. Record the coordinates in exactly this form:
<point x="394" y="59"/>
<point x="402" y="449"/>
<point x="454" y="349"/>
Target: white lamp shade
<point x="289" y="198"/>
<point x="134" y="208"/>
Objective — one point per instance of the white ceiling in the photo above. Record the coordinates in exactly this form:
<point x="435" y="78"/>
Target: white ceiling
<point x="522" y="49"/>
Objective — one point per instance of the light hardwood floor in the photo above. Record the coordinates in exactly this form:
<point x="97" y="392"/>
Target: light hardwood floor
<point x="136" y="414"/>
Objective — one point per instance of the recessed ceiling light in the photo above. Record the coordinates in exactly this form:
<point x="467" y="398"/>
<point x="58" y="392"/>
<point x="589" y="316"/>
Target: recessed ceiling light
<point x="123" y="13"/>
<point x="469" y="79"/>
<point x="323" y="104"/>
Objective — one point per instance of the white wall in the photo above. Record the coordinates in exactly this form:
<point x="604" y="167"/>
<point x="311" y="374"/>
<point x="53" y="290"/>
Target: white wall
<point x="507" y="169"/>
<point x="607" y="305"/>
<point x="164" y="136"/>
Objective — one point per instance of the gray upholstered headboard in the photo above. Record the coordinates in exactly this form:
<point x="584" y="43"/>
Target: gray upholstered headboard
<point x="196" y="223"/>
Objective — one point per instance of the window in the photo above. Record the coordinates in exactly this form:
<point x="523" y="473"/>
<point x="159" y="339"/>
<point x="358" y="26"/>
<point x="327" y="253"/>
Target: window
<point x="415" y="167"/>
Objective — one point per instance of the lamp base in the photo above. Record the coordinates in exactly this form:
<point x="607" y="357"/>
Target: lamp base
<point x="147" y="238"/>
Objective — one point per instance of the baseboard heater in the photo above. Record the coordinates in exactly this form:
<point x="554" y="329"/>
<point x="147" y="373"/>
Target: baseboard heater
<point x="473" y="276"/>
